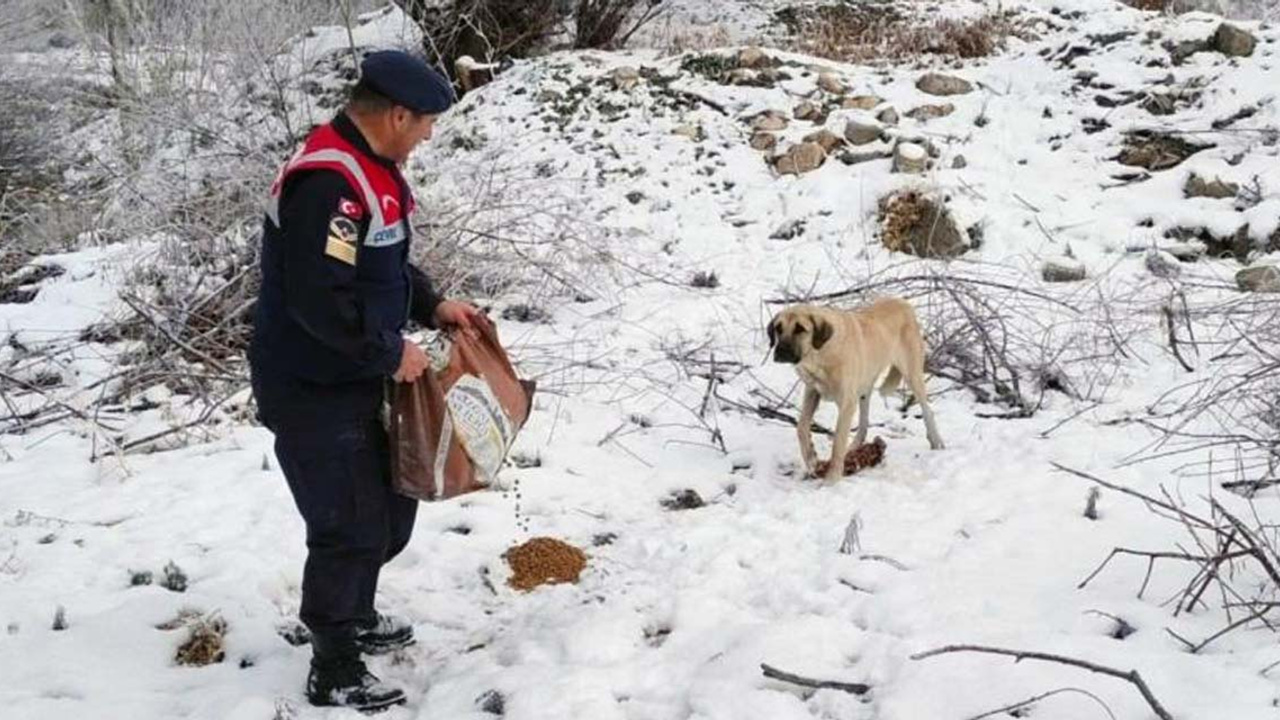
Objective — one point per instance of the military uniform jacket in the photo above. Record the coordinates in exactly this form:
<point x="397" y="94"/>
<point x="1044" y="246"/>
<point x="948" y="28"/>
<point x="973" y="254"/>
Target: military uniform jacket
<point x="337" y="285"/>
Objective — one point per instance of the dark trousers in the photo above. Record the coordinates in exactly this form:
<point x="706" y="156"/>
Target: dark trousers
<point x="340" y="478"/>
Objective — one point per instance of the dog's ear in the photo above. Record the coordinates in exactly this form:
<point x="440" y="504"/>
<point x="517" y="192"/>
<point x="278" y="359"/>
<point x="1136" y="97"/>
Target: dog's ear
<point x="822" y="332"/>
<point x="773" y="331"/>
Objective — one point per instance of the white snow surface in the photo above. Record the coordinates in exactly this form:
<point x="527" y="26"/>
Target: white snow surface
<point x="983" y="542"/>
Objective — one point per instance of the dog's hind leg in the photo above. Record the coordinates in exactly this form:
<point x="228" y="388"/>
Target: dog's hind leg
<point x="891" y="381"/>
<point x="864" y="419"/>
<point x="916" y="379"/>
<point x="840" y="443"/>
<point x="804" y="428"/>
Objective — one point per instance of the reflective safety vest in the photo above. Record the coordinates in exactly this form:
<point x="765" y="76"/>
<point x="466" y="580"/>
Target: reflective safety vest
<point x="377" y="184"/>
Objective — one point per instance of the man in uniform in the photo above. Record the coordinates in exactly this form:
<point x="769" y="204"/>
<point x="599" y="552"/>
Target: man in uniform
<point x="337" y="292"/>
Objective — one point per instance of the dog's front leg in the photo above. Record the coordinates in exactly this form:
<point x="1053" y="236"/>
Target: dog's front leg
<point x="864" y="419"/>
<point x="840" y="443"/>
<point x="804" y="428"/>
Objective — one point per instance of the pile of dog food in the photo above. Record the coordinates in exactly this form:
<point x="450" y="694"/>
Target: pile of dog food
<point x="864" y="456"/>
<point x="544" y="561"/>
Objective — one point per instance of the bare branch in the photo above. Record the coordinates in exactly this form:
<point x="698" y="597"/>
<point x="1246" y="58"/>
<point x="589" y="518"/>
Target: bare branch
<point x="1130" y="676"/>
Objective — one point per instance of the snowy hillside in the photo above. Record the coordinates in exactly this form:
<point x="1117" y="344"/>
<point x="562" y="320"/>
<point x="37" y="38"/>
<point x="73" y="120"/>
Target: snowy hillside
<point x="644" y="214"/>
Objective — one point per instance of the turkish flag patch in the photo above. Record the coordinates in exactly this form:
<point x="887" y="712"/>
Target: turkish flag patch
<point x="350" y="208"/>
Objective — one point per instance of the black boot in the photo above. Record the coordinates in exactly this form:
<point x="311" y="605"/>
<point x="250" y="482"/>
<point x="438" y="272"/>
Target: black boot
<point x="339" y="678"/>
<point x="383" y="634"/>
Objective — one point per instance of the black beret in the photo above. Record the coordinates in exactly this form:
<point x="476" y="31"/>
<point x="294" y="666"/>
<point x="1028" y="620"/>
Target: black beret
<point x="407" y="81"/>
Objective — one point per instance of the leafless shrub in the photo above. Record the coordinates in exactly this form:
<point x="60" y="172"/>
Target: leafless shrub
<point x="492" y="30"/>
<point x="1232" y="552"/>
<point x="497" y="228"/>
<point x="1226" y="422"/>
<point x="34" y="213"/>
<point x="675" y="40"/>
<point x="487" y="30"/>
<point x="610" y="23"/>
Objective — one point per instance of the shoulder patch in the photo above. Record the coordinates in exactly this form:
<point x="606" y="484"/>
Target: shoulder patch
<point x="350" y="208"/>
<point x="341" y="242"/>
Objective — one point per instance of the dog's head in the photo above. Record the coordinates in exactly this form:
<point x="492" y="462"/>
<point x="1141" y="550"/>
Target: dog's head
<point x="795" y="332"/>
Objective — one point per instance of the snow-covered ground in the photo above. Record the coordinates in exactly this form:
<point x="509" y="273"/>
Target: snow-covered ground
<point x="980" y="543"/>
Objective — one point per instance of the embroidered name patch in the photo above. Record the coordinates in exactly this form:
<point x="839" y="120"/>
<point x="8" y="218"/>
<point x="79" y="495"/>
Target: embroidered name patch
<point x="342" y="240"/>
<point x="387" y="236"/>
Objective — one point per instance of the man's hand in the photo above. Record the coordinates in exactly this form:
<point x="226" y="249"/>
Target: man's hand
<point x="413" y="362"/>
<point x="461" y="315"/>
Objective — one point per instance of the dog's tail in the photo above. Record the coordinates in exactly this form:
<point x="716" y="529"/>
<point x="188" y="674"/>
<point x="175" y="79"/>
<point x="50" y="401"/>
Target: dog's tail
<point x="891" y="381"/>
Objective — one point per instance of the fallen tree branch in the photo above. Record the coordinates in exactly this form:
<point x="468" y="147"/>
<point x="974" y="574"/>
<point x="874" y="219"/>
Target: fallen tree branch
<point x="868" y="287"/>
<point x="775" y="674"/>
<point x="768" y="413"/>
<point x="135" y="305"/>
<point x="1131" y="676"/>
<point x="1134" y="493"/>
<point x="1153" y="556"/>
<point x="1032" y="700"/>
<point x="1173" y="338"/>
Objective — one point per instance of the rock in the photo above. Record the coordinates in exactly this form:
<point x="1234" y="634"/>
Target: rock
<point x="771" y="76"/>
<point x="769" y="121"/>
<point x="800" y="159"/>
<point x="924" y="113"/>
<point x="888" y="116"/>
<point x="830" y="83"/>
<point x="1063" y="269"/>
<point x="1233" y="42"/>
<point x="861" y="102"/>
<point x="1237" y="244"/>
<point x="915" y="224"/>
<point x="922" y="141"/>
<point x="1199" y="187"/>
<point x="910" y="158"/>
<point x="754" y="58"/>
<point x="549" y="96"/>
<point x="1162" y="264"/>
<point x="1159" y="104"/>
<point x="625" y="78"/>
<point x="764" y="141"/>
<point x="856" y="158"/>
<point x="1259" y="278"/>
<point x="806" y="111"/>
<point x="827" y="139"/>
<point x="939" y="84"/>
<point x="1185" y="49"/>
<point x="862" y="132"/>
<point x="1154" y="150"/>
<point x="959" y="163"/>
<point x="741" y="76"/>
<point x="693" y="132"/>
<point x="789" y="230"/>
<point x="1187" y="251"/>
<point x="687" y="499"/>
<point x="472" y="75"/>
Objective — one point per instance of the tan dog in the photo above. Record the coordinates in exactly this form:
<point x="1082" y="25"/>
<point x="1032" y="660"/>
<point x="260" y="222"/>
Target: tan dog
<point x="839" y="355"/>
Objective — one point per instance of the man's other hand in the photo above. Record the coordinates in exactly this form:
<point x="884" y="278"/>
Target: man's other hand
<point x="461" y="315"/>
<point x="413" y="362"/>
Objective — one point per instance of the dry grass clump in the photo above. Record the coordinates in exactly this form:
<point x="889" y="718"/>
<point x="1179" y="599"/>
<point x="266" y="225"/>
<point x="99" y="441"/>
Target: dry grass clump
<point x="866" y="33"/>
